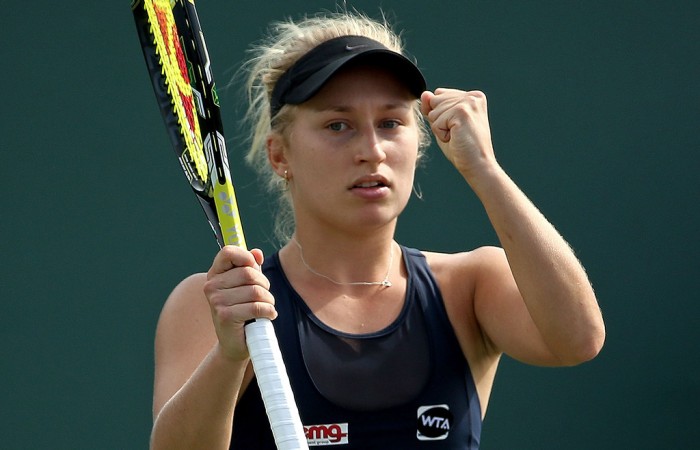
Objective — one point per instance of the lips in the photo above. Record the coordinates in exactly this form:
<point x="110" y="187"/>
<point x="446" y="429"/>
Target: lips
<point x="374" y="181"/>
<point x="369" y="184"/>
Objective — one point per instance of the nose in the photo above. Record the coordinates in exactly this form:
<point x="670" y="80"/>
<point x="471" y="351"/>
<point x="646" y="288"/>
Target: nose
<point x="370" y="148"/>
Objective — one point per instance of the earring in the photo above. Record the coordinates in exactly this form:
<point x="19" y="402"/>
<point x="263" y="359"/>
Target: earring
<point x="418" y="191"/>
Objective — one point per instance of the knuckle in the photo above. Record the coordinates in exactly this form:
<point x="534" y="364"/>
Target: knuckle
<point x="261" y="294"/>
<point x="248" y="275"/>
<point x="217" y="302"/>
<point x="228" y="315"/>
<point x="229" y="250"/>
<point x="263" y="310"/>
<point x="210" y="287"/>
<point x="224" y="314"/>
<point x="228" y="254"/>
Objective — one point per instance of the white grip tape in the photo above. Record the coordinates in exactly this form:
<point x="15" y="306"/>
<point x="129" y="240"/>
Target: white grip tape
<point x="274" y="386"/>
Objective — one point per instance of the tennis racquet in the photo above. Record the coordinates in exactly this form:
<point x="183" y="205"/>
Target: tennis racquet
<point x="180" y="70"/>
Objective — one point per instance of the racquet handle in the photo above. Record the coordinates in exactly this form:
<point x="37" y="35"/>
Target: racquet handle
<point x="274" y="386"/>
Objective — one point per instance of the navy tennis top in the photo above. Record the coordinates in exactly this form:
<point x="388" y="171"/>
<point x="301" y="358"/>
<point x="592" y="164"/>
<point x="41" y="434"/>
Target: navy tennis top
<point x="407" y="386"/>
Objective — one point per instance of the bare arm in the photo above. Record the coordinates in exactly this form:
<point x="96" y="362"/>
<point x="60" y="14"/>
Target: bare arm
<point x="201" y="356"/>
<point x="532" y="299"/>
<point x="551" y="283"/>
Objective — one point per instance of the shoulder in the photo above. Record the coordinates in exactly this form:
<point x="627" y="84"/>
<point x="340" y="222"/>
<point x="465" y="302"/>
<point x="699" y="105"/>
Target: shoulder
<point x="463" y="277"/>
<point x="185" y="316"/>
<point x="187" y="296"/>
<point x="463" y="270"/>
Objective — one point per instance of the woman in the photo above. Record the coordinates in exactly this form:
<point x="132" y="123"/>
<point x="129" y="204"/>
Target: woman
<point x="386" y="346"/>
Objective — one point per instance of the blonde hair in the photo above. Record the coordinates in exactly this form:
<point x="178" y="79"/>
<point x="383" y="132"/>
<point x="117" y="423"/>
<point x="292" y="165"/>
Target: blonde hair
<point x="286" y="42"/>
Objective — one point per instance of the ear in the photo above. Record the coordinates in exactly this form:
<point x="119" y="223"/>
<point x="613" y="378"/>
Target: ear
<point x="276" y="154"/>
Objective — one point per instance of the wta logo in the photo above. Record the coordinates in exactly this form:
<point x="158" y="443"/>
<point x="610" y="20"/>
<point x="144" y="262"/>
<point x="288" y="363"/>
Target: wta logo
<point x="329" y="434"/>
<point x="433" y="422"/>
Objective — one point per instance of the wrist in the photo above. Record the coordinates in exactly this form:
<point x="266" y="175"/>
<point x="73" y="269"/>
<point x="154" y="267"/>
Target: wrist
<point x="227" y="361"/>
<point x="484" y="178"/>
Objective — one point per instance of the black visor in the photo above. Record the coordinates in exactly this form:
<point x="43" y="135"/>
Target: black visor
<point x="308" y="75"/>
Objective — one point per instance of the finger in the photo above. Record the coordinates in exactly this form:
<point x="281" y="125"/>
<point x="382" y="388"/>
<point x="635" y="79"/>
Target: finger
<point x="451" y="107"/>
<point x="439" y="105"/>
<point x="446" y="98"/>
<point x="229" y="257"/>
<point x="239" y="295"/>
<point x="237" y="277"/>
<point x="245" y="312"/>
<point x="442" y="119"/>
<point x="242" y="304"/>
<point x="454" y="96"/>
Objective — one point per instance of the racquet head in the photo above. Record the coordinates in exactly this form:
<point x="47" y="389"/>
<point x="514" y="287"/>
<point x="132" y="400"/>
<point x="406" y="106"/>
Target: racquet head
<point x="178" y="63"/>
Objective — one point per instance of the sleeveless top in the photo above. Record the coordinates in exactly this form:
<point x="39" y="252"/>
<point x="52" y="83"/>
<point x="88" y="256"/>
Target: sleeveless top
<point x="407" y="386"/>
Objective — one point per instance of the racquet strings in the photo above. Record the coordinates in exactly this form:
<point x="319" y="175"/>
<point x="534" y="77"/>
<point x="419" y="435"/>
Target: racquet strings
<point x="176" y="74"/>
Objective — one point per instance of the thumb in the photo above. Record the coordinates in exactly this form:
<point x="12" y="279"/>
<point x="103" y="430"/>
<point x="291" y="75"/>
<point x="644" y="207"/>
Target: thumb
<point x="425" y="102"/>
<point x="258" y="255"/>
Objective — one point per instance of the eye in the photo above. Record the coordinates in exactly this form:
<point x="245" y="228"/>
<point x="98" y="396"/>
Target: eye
<point x="337" y="126"/>
<point x="390" y="124"/>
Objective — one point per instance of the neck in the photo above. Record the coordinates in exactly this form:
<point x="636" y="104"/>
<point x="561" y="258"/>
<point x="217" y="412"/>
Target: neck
<point x="384" y="282"/>
<point x="371" y="267"/>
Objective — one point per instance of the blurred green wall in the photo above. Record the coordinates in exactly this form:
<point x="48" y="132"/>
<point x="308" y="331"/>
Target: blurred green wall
<point x="594" y="112"/>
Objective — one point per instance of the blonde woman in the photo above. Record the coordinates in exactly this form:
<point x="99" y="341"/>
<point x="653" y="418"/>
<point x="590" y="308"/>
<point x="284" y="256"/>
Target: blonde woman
<point x="386" y="346"/>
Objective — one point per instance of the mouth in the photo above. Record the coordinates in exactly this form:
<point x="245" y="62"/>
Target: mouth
<point x="370" y="182"/>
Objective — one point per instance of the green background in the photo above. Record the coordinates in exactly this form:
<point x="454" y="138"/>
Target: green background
<point x="594" y="111"/>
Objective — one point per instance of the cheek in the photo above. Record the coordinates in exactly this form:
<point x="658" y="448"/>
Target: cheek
<point x="406" y="153"/>
<point x="404" y="171"/>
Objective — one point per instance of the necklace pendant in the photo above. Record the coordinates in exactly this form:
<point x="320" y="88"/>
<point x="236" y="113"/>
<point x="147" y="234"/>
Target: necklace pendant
<point x="386" y="283"/>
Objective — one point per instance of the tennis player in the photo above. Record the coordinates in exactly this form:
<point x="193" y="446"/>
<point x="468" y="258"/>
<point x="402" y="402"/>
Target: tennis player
<point x="386" y="346"/>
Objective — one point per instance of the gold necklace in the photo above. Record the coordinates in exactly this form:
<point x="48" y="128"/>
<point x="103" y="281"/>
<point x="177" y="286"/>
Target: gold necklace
<point x="384" y="283"/>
